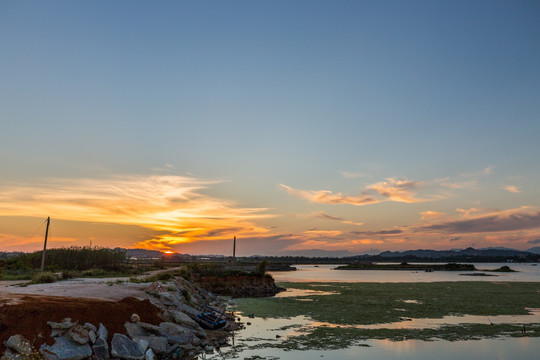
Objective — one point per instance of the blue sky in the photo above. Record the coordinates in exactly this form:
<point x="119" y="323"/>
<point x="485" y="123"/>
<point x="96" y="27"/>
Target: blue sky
<point x="255" y="109"/>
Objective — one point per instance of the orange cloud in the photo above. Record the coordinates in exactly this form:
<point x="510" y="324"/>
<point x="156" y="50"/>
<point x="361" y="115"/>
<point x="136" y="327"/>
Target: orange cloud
<point x="398" y="190"/>
<point x="431" y="215"/>
<point x="391" y="189"/>
<point x="467" y="212"/>
<point x="327" y="197"/>
<point x="172" y="205"/>
<point x="322" y="233"/>
<point x="512" y="189"/>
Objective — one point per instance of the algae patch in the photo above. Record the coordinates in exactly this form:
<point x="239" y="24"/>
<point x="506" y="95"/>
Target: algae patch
<point x="351" y="313"/>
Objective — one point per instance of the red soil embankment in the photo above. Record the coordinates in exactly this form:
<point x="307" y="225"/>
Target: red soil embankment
<point x="240" y="285"/>
<point x="28" y="315"/>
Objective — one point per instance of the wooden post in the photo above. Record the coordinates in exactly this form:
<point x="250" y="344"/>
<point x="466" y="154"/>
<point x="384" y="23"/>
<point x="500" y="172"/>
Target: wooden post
<point x="234" y="253"/>
<point x="45" y="244"/>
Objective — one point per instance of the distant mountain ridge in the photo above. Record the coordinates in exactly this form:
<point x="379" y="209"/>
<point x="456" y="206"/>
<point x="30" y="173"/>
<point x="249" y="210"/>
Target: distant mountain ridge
<point x="465" y="253"/>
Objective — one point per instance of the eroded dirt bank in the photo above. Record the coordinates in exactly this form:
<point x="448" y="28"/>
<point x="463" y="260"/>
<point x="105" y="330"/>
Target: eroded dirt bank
<point x="27" y="315"/>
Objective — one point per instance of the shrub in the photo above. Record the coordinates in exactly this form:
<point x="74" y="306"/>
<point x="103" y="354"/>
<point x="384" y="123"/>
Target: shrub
<point x="69" y="274"/>
<point x="95" y="272"/>
<point x="261" y="269"/>
<point x="186" y="296"/>
<point x="44" y="278"/>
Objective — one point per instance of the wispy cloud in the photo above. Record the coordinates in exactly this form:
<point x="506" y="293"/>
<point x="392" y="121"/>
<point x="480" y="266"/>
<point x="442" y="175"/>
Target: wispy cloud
<point x="327" y="197"/>
<point x="459" y="184"/>
<point x="322" y="233"/>
<point x="512" y="189"/>
<point x="352" y="175"/>
<point x="353" y="223"/>
<point x="425" y="215"/>
<point x="379" y="232"/>
<point x="173" y="205"/>
<point x="488" y="170"/>
<point x="319" y="215"/>
<point x="484" y="172"/>
<point x="322" y="215"/>
<point x="398" y="190"/>
<point x="467" y="212"/>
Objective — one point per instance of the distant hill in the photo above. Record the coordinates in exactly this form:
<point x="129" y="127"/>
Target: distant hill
<point x="469" y="254"/>
<point x="534" y="250"/>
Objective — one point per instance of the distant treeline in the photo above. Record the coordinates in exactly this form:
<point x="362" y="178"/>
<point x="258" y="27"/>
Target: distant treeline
<point x="528" y="257"/>
<point x="72" y="258"/>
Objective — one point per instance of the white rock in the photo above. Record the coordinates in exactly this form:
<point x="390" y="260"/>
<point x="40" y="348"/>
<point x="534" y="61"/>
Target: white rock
<point x="19" y="343"/>
<point x="149" y="355"/>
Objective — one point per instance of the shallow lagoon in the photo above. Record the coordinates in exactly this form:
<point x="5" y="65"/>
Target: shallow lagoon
<point x="325" y="273"/>
<point x="258" y="340"/>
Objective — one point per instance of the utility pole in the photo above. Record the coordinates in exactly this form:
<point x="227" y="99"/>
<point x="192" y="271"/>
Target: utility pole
<point x="234" y="253"/>
<point x="45" y="244"/>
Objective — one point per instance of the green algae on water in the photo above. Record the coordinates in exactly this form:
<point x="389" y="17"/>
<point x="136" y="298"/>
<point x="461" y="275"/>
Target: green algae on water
<point x="345" y="306"/>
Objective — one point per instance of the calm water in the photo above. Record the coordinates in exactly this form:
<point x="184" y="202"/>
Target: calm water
<point x="265" y="330"/>
<point x="324" y="273"/>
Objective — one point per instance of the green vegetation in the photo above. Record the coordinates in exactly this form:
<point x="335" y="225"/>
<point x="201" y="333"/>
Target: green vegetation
<point x="334" y="338"/>
<point x="71" y="262"/>
<point x="44" y="278"/>
<point x="73" y="258"/>
<point x="379" y="303"/>
<point x="261" y="268"/>
<point x="163" y="276"/>
<point x="504" y="268"/>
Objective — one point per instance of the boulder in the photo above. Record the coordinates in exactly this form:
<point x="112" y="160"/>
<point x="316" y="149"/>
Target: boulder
<point x="143" y="343"/>
<point x="90" y="327"/>
<point x="102" y="333"/>
<point x="64" y="325"/>
<point x="78" y="334"/>
<point x="101" y="349"/>
<point x="135" y="330"/>
<point x="65" y="349"/>
<point x="158" y="344"/>
<point x="58" y="332"/>
<point x="151" y="328"/>
<point x="182" y="339"/>
<point x="19" y="344"/>
<point x="135" y="318"/>
<point x="171" y="299"/>
<point x="124" y="348"/>
<point x="9" y="355"/>
<point x="174" y="329"/>
<point x="149" y="355"/>
<point x="188" y="309"/>
<point x="183" y="319"/>
<point x="92" y="336"/>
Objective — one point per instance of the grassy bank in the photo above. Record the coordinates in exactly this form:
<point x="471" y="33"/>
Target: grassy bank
<point x="378" y="303"/>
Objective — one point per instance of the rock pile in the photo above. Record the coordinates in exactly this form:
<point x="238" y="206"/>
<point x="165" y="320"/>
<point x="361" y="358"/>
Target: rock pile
<point x="178" y="336"/>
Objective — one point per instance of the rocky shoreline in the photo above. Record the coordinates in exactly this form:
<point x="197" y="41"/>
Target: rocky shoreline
<point x="162" y="326"/>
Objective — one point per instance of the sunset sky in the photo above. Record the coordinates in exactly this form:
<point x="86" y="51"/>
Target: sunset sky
<point x="293" y="125"/>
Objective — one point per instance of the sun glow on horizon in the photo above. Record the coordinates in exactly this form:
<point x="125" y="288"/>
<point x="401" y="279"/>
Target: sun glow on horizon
<point x="172" y="206"/>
